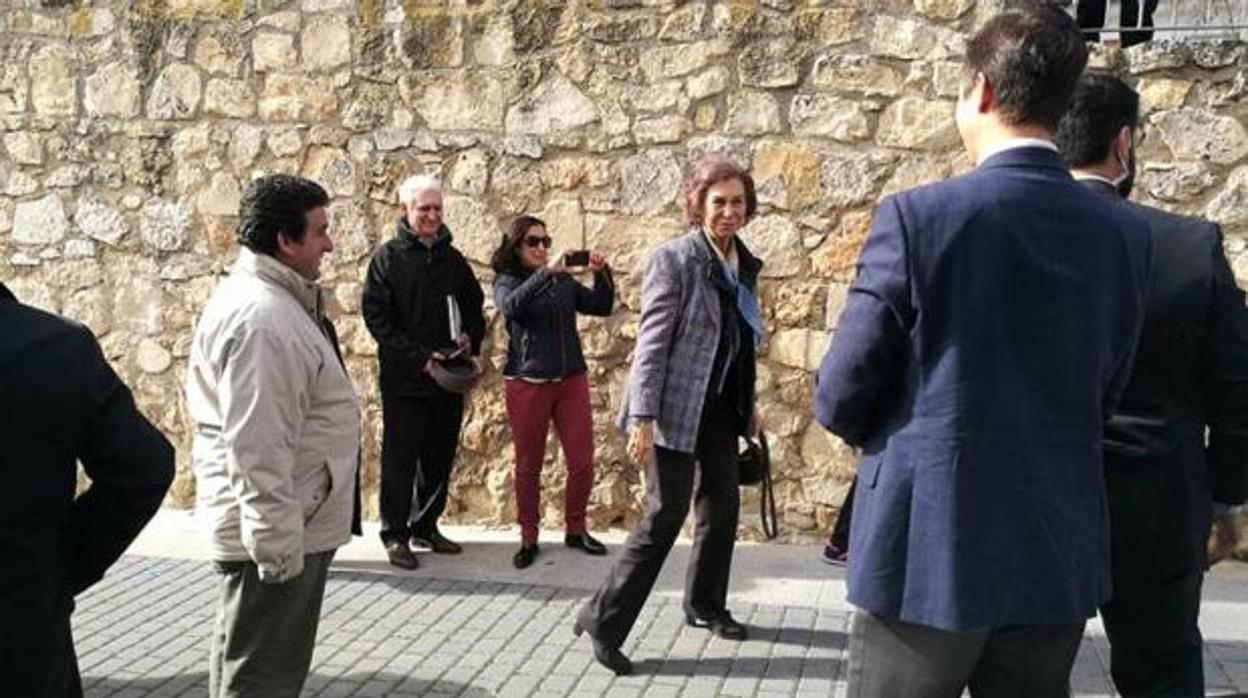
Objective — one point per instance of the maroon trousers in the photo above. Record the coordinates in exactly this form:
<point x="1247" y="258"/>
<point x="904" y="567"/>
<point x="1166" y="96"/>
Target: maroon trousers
<point x="531" y="407"/>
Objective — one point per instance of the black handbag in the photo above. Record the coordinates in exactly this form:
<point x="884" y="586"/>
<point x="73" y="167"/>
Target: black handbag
<point x="755" y="468"/>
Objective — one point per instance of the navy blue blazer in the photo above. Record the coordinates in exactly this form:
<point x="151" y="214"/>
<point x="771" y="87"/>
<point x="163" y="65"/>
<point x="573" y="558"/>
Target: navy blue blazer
<point x="986" y="337"/>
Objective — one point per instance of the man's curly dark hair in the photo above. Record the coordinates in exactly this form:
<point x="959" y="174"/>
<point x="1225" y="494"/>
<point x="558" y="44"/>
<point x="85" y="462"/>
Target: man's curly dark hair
<point x="276" y="204"/>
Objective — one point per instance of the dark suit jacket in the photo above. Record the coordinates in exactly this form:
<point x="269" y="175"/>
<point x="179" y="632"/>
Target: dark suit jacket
<point x="61" y="403"/>
<point x="985" y="338"/>
<point x="1190" y="375"/>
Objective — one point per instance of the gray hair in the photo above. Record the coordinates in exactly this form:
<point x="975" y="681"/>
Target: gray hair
<point x="414" y="185"/>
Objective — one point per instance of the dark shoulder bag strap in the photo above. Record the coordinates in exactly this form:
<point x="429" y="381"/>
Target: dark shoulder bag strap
<point x="767" y="495"/>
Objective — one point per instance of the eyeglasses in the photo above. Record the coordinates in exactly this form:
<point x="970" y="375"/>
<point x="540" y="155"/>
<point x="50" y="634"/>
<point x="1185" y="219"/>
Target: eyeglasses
<point x="535" y="241"/>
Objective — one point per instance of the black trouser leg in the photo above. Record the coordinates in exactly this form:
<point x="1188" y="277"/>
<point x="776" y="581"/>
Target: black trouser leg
<point x="840" y="530"/>
<point x="63" y="674"/>
<point x="1159" y="517"/>
<point x="1027" y="661"/>
<point x="1154" y="638"/>
<point x="1131" y="18"/>
<point x="404" y="422"/>
<point x="611" y="613"/>
<point x="717" y="508"/>
<point x="1091" y="15"/>
<point x="437" y="455"/>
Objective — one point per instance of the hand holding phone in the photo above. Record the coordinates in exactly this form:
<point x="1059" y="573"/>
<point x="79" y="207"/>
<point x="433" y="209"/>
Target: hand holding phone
<point x="577" y="258"/>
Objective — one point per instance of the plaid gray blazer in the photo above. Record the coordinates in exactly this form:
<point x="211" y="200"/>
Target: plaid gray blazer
<point x="676" y="340"/>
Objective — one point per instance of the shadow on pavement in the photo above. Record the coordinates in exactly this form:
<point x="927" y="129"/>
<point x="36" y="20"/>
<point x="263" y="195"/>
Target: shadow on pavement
<point x="194" y="683"/>
<point x="371" y="683"/>
<point x="824" y="639"/>
<point x="780" y="668"/>
<point x="463" y="581"/>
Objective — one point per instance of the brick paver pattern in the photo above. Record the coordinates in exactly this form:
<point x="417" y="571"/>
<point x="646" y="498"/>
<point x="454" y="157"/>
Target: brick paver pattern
<point x="144" y="631"/>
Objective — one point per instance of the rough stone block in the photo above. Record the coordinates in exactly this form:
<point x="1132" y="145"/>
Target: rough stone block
<point x="40" y="222"/>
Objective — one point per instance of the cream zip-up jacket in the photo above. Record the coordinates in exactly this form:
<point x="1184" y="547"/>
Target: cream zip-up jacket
<point x="277" y="423"/>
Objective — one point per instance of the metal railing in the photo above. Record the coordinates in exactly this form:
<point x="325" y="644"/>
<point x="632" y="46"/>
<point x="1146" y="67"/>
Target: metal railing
<point x="1196" y="19"/>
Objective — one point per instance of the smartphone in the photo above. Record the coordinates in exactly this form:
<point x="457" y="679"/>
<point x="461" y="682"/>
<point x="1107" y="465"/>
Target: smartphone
<point x="576" y="258"/>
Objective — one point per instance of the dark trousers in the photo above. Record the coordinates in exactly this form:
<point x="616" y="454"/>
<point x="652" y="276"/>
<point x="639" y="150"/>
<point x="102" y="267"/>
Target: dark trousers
<point x="265" y="633"/>
<point x="892" y="659"/>
<point x="418" y="442"/>
<point x="1159" y="517"/>
<point x="609" y="616"/>
<point x="37" y="656"/>
<point x="1154" y="638"/>
<point x="1091" y="15"/>
<point x="844" y="517"/>
<point x="64" y="681"/>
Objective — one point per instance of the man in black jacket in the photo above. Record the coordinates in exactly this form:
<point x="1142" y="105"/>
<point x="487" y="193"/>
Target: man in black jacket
<point x="61" y="404"/>
<point x="422" y="304"/>
<point x="1176" y="448"/>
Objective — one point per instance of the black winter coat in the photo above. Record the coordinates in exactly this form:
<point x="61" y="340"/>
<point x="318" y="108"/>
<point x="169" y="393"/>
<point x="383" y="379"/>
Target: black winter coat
<point x="405" y="308"/>
<point x="541" y="309"/>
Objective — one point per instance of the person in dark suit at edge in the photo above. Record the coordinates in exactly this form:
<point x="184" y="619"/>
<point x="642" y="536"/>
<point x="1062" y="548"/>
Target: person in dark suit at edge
<point x="61" y="404"/>
<point x="1166" y="480"/>
<point x="985" y="338"/>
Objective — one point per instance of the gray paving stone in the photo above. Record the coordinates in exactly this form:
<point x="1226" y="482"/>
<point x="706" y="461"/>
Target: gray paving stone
<point x="144" y="630"/>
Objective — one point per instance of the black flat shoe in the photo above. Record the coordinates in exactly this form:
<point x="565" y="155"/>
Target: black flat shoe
<point x="525" y="556"/>
<point x="401" y="556"/>
<point x="610" y="657"/>
<point x="436" y="542"/>
<point x="586" y="542"/>
<point x="724" y="626"/>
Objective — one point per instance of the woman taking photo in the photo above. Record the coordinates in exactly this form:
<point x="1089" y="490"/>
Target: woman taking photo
<point x="690" y="396"/>
<point x="544" y="375"/>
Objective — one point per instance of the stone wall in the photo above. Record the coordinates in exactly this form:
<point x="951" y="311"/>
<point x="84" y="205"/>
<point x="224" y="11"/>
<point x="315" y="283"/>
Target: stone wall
<point x="129" y="129"/>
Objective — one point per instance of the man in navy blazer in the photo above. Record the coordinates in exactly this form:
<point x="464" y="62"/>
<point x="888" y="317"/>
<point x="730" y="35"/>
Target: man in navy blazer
<point x="987" y="334"/>
<point x="1165" y="478"/>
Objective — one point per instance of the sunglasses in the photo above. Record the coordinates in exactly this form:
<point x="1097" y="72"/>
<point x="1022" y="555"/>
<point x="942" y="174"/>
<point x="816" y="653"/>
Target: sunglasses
<point x="535" y="241"/>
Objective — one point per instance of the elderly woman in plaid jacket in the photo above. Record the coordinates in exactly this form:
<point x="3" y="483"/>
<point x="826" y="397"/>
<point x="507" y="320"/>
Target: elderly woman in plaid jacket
<point x="690" y="396"/>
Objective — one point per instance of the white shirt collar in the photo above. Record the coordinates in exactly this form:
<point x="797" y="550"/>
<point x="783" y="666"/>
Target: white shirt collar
<point x="1015" y="143"/>
<point x="1084" y="176"/>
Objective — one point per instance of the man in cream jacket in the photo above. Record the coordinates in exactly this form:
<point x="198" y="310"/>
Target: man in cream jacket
<point x="276" y="440"/>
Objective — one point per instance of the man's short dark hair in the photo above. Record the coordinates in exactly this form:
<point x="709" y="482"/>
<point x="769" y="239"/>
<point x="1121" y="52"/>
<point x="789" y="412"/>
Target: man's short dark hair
<point x="275" y="204"/>
<point x="1032" y="57"/>
<point x="1102" y="105"/>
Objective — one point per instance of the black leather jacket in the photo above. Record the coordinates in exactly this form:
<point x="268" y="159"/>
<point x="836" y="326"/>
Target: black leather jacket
<point x="541" y="309"/>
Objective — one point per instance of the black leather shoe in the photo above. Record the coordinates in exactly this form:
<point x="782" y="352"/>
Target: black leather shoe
<point x="585" y="542"/>
<point x="724" y="626"/>
<point x="525" y="556"/>
<point x="610" y="657"/>
<point x="436" y="542"/>
<point x="401" y="556"/>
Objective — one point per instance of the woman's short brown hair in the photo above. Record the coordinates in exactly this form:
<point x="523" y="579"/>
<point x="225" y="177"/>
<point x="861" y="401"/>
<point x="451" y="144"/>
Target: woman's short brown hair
<point x="505" y="260"/>
<point x="708" y="170"/>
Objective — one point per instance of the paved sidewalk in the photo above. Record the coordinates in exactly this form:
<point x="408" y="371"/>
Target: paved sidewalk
<point x="473" y="626"/>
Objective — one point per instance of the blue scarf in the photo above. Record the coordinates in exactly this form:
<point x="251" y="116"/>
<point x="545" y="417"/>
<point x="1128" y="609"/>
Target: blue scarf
<point x="747" y="303"/>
